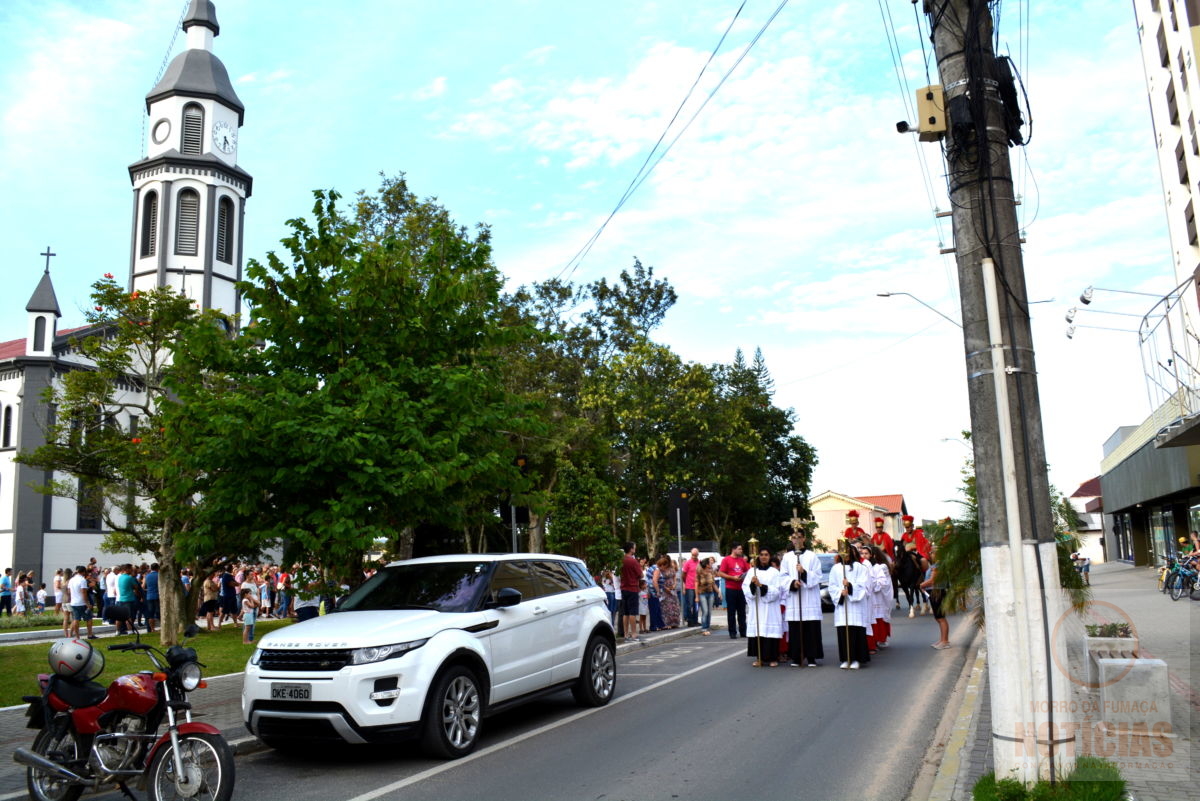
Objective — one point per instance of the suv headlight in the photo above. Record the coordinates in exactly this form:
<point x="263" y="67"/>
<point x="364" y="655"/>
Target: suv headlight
<point x="256" y="656"/>
<point x="189" y="676"/>
<point x="378" y="653"/>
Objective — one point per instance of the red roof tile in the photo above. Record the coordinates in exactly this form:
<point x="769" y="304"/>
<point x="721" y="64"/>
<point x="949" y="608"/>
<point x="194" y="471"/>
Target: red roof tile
<point x="1088" y="489"/>
<point x="16" y="347"/>
<point x="893" y="503"/>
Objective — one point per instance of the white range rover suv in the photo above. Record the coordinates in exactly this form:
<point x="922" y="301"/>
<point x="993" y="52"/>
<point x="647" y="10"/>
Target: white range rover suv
<point x="427" y="647"/>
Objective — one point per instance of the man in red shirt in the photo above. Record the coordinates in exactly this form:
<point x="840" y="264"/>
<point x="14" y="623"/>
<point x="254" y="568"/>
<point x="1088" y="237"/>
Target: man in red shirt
<point x="882" y="539"/>
<point x="915" y="536"/>
<point x="631" y="575"/>
<point x="853" y="532"/>
<point x="732" y="569"/>
<point x="688" y="569"/>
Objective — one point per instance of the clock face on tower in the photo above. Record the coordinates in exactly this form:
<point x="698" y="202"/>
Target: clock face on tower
<point x="224" y="137"/>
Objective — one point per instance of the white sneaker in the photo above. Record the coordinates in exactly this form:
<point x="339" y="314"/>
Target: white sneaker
<point x="845" y="665"/>
<point x="882" y="644"/>
<point x="854" y="666"/>
<point x="911" y="612"/>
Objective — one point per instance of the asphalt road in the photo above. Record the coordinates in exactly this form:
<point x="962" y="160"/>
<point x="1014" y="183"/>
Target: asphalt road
<point x="691" y="720"/>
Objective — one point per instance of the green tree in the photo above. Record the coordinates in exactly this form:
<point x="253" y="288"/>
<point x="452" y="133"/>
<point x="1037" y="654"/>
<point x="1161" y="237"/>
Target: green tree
<point x="117" y="436"/>
<point x="369" y="395"/>
<point x="958" y="551"/>
<point x="578" y="520"/>
<point x="584" y="329"/>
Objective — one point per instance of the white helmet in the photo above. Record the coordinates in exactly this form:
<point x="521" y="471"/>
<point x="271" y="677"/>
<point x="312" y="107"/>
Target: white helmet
<point x="75" y="659"/>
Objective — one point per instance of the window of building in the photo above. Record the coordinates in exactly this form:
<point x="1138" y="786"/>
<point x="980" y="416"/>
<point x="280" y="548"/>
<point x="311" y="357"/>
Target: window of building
<point x="1189" y="217"/>
<point x="187" y="224"/>
<point x="1163" y="56"/>
<point x="1182" y="71"/>
<point x="225" y="230"/>
<point x="87" y="507"/>
<point x="7" y="439"/>
<point x="39" y="334"/>
<point x="150" y="224"/>
<point x="1172" y="104"/>
<point x="193" y="130"/>
<point x="1181" y="162"/>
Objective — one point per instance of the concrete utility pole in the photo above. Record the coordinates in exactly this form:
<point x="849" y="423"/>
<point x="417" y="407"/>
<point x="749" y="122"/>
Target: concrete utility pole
<point x="1032" y="732"/>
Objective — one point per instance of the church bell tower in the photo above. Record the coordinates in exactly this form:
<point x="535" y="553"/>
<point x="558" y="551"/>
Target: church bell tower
<point x="189" y="195"/>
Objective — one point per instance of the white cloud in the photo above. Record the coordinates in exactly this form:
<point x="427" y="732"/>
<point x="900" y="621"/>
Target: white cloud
<point x="435" y="88"/>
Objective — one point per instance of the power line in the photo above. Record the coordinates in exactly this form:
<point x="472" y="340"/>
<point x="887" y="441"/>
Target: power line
<point x="645" y="170"/>
<point x="162" y="67"/>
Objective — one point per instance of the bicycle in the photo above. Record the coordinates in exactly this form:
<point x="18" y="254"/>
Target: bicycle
<point x="1184" y="581"/>
<point x="1165" y="574"/>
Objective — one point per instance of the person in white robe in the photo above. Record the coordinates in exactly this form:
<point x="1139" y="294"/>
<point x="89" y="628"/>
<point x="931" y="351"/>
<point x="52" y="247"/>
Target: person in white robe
<point x="800" y="584"/>
<point x="764" y="626"/>
<point x="881" y="571"/>
<point x="849" y="588"/>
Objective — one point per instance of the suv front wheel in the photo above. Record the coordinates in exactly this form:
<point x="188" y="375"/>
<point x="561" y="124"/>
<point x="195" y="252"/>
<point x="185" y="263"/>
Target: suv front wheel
<point x="598" y="676"/>
<point x="453" y="714"/>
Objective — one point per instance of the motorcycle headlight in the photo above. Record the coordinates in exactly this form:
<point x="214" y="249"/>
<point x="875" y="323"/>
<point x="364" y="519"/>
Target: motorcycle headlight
<point x="189" y="676"/>
<point x="378" y="653"/>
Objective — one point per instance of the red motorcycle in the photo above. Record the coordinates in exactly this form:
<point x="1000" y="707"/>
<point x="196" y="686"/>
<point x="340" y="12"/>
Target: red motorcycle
<point x="92" y="736"/>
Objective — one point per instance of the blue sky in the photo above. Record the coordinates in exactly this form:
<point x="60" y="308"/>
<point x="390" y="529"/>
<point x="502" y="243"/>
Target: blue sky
<point x="779" y="215"/>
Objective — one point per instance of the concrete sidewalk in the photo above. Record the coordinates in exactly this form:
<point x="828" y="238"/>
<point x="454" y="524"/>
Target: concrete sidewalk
<point x="1166" y="630"/>
<point x="218" y="704"/>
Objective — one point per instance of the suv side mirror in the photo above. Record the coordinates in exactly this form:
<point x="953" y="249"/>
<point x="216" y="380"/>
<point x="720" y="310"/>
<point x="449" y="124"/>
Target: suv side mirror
<point x="507" y="596"/>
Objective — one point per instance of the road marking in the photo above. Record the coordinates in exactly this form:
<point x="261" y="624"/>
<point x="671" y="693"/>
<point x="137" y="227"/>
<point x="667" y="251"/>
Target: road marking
<point x="431" y="772"/>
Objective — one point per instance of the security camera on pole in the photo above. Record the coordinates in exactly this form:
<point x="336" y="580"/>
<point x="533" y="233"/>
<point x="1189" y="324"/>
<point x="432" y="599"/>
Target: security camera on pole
<point x="1031" y="734"/>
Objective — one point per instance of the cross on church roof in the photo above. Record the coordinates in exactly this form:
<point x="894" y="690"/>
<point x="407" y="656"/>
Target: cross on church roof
<point x="47" y="254"/>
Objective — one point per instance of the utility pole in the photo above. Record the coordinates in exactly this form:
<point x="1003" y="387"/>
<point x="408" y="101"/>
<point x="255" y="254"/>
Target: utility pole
<point x="1032" y="733"/>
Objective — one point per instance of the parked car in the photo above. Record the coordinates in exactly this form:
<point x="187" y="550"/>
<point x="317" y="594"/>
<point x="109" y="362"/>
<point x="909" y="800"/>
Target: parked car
<point x="427" y="648"/>
<point x="826" y="566"/>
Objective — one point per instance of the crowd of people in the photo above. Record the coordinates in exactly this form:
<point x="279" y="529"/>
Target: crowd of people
<point x="775" y="600"/>
<point x="237" y="593"/>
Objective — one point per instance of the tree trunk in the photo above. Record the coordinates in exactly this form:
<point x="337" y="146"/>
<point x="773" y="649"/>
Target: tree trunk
<point x="404" y="543"/>
<point x="537" y="533"/>
<point x="173" y="601"/>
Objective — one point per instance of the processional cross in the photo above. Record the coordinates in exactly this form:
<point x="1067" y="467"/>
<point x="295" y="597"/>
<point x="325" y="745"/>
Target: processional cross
<point x="796" y="522"/>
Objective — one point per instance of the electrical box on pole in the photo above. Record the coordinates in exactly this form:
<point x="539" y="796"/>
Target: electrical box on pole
<point x="931" y="113"/>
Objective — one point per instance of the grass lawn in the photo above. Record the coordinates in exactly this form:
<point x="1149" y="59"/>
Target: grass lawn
<point x="221" y="652"/>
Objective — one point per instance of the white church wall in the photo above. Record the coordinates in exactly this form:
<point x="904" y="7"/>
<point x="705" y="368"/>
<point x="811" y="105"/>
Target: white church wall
<point x="7" y="544"/>
<point x="71" y="549"/>
<point x="8" y="480"/>
<point x="63" y="514"/>
<point x="47" y="338"/>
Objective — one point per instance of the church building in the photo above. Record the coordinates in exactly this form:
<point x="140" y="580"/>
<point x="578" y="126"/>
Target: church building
<point x="189" y="200"/>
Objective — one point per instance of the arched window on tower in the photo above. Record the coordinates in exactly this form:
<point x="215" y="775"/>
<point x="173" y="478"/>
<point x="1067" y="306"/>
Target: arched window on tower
<point x="150" y="224"/>
<point x="8" y="440"/>
<point x="193" y="129"/>
<point x="187" y="224"/>
<point x="225" y="231"/>
<point x="39" y="334"/>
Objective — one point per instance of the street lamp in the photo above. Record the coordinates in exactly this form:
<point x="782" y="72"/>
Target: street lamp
<point x="923" y="303"/>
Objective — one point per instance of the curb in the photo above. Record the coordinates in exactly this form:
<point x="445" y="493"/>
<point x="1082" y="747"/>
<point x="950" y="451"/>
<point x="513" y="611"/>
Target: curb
<point x="958" y="743"/>
<point x="646" y="641"/>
